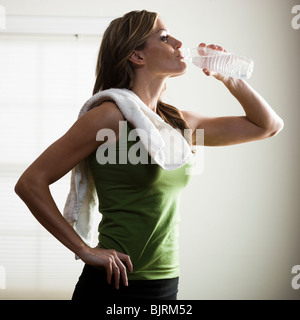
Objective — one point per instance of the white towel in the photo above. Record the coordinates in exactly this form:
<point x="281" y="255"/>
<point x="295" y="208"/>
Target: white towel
<point x="167" y="147"/>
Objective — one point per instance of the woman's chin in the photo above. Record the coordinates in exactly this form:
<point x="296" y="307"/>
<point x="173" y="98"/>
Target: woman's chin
<point x="180" y="71"/>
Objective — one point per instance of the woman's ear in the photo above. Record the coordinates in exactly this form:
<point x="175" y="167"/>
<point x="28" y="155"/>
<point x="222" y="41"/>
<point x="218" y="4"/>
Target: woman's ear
<point x="137" y="58"/>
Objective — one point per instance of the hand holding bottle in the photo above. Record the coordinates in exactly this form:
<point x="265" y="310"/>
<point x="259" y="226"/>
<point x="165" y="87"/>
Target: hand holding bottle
<point x="209" y="51"/>
<point x="216" y="61"/>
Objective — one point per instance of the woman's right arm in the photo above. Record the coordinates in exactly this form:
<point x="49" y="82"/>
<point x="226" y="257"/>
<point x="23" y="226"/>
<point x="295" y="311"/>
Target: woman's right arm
<point x="55" y="162"/>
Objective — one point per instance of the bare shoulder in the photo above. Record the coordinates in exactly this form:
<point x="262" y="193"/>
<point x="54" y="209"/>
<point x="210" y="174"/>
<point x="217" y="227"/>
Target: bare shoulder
<point x="84" y="130"/>
<point x="108" y="109"/>
<point x="106" y="115"/>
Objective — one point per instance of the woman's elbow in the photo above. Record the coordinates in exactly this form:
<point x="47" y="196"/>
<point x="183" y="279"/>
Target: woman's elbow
<point x="272" y="128"/>
<point x="21" y="186"/>
<point x="27" y="186"/>
<point x="277" y="126"/>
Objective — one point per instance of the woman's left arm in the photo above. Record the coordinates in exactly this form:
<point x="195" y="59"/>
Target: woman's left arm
<point x="260" y="120"/>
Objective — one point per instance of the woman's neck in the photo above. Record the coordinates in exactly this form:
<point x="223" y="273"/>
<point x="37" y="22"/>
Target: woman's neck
<point x="149" y="91"/>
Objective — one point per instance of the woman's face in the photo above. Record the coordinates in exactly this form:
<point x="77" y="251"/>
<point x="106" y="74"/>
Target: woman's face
<point x="161" y="55"/>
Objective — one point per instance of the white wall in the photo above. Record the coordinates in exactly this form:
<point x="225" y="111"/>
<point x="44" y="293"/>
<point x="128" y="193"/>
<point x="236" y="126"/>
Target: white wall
<point x="240" y="217"/>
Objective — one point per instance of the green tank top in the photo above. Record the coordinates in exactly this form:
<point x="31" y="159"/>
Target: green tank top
<point x="139" y="206"/>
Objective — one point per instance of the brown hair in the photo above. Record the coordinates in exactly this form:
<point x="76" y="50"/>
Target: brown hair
<point x="114" y="70"/>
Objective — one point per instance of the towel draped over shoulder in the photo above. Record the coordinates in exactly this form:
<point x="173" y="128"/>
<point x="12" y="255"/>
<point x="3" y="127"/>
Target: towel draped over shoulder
<point x="166" y="146"/>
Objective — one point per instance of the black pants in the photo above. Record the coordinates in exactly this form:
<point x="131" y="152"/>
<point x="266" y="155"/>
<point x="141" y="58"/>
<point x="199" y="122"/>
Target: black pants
<point x="92" y="285"/>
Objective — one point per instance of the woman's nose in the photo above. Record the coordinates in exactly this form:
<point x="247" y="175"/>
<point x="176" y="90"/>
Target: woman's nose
<point x="178" y="44"/>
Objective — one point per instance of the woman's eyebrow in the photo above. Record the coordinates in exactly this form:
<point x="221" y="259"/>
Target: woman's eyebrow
<point x="162" y="30"/>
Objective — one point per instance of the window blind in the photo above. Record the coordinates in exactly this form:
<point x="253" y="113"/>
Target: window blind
<point x="44" y="81"/>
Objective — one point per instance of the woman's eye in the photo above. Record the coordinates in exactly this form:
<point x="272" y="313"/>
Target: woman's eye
<point x="164" y="38"/>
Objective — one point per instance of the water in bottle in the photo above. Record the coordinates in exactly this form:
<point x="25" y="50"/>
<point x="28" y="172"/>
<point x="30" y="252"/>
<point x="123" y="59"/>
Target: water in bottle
<point x="225" y="63"/>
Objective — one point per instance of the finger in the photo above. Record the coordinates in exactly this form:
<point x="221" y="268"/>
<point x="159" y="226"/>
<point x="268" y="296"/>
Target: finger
<point x="118" y="267"/>
<point x="116" y="272"/>
<point x="108" y="268"/>
<point x="125" y="258"/>
<point x="201" y="49"/>
<point x="115" y="266"/>
<point x="219" y="48"/>
<point x="212" y="46"/>
<point x="122" y="270"/>
<point x="206" y="72"/>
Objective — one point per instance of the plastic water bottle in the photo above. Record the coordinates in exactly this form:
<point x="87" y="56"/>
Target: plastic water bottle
<point x="225" y="63"/>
